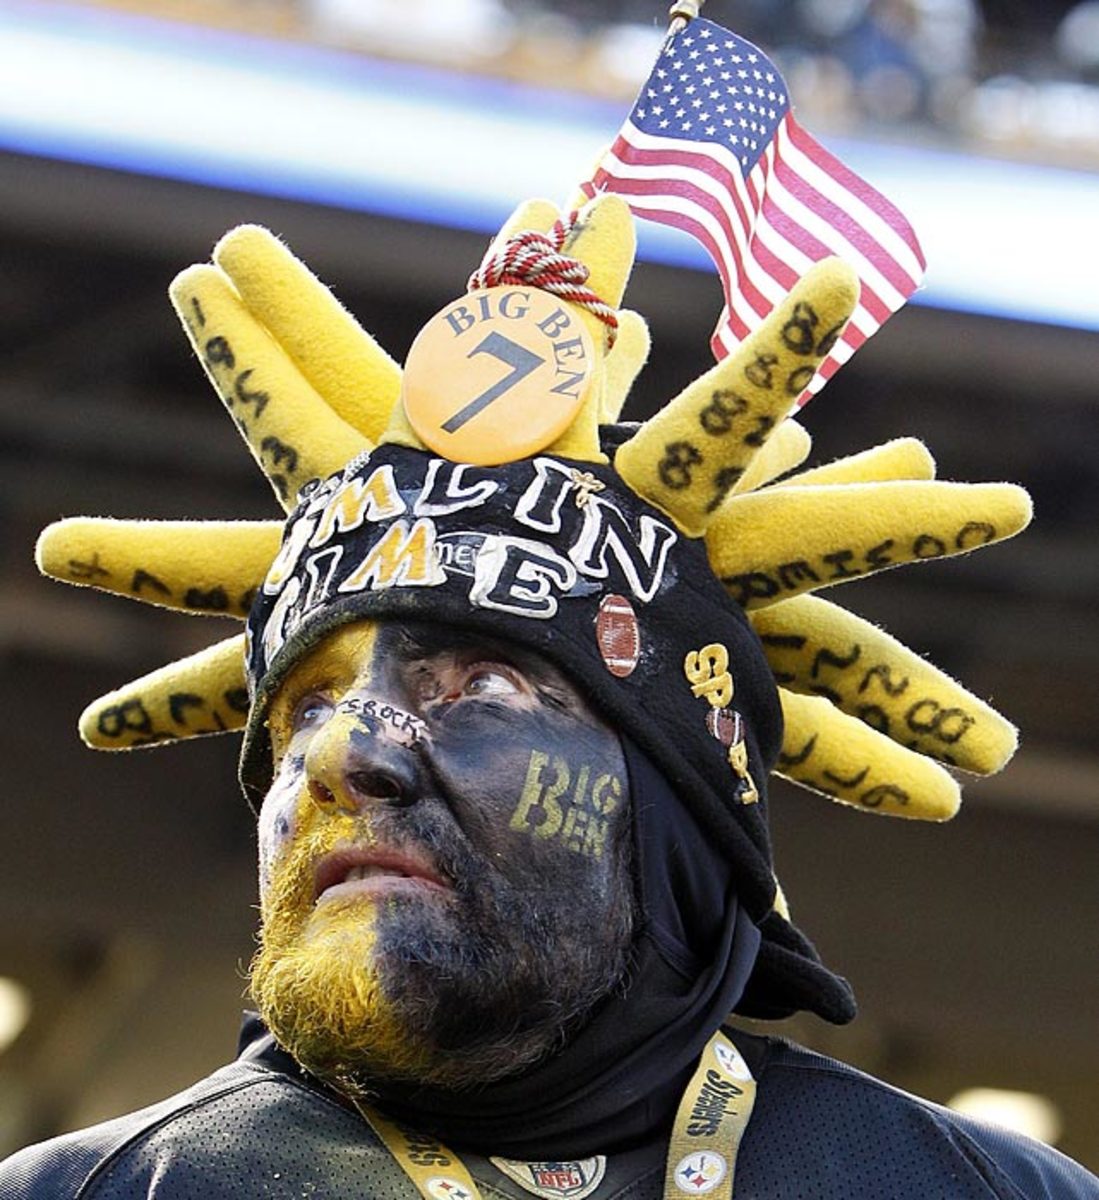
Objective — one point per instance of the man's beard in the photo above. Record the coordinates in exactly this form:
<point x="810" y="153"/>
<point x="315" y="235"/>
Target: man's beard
<point x="448" y="988"/>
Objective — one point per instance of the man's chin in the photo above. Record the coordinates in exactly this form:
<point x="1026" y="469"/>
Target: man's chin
<point x="322" y="998"/>
<point x="411" y="988"/>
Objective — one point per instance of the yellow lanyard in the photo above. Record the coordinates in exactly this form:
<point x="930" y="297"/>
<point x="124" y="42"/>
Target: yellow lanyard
<point x="709" y="1126"/>
<point x="438" y="1172"/>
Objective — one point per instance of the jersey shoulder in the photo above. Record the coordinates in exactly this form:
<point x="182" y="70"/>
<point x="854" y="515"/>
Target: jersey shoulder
<point x="860" y="1136"/>
<point x="244" y="1130"/>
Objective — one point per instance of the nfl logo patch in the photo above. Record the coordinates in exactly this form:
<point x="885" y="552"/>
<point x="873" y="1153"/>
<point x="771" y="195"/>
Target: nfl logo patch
<point x="555" y="1180"/>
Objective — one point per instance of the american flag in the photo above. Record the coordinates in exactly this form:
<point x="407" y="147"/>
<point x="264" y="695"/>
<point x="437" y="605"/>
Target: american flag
<point x="711" y="147"/>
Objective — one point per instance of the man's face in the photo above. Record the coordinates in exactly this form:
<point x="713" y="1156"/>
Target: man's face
<point x="444" y="860"/>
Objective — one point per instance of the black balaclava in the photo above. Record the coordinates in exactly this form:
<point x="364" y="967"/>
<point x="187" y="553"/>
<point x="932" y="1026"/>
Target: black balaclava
<point x="539" y="551"/>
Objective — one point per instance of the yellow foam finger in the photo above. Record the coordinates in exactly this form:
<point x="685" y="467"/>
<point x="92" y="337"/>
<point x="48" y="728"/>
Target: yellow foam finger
<point x="340" y="360"/>
<point x="817" y="648"/>
<point x="767" y="546"/>
<point x="581" y="439"/>
<point x="786" y="448"/>
<point x="204" y="567"/>
<point x="530" y="214"/>
<point x="605" y="241"/>
<point x="204" y="693"/>
<point x="624" y="362"/>
<point x="902" y="458"/>
<point x="688" y="457"/>
<point x="292" y="433"/>
<point x="844" y="759"/>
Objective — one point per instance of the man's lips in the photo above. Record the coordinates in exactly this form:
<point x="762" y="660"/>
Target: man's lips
<point x="361" y="870"/>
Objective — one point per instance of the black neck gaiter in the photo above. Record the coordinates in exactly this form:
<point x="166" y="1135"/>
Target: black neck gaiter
<point x="619" y="1078"/>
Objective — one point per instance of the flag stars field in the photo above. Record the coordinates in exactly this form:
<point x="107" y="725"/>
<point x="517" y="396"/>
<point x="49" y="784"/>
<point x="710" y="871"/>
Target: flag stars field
<point x="763" y="197"/>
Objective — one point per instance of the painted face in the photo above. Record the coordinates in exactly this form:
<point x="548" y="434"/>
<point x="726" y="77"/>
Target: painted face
<point x="444" y="861"/>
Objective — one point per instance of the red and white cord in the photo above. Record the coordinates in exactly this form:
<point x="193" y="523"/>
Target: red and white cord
<point x="534" y="259"/>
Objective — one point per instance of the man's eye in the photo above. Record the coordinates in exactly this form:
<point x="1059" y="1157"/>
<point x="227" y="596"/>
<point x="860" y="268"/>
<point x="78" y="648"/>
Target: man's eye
<point x="489" y="682"/>
<point x="311" y="712"/>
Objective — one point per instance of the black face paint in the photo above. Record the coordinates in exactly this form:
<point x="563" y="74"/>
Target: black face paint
<point x="516" y="793"/>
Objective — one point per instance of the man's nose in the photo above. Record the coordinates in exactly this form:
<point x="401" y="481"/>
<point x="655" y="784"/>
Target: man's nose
<point x="356" y="761"/>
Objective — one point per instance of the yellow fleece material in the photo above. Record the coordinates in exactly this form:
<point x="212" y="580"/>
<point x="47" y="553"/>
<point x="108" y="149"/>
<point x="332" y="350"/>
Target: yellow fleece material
<point x="688" y="457"/>
<point x="788" y="447"/>
<point x="768" y="546"/>
<point x="399" y="431"/>
<point x="536" y="213"/>
<point x="204" y="567"/>
<point x="204" y="693"/>
<point x="335" y="355"/>
<point x="604" y="240"/>
<point x="310" y="390"/>
<point x="844" y="759"/>
<point x="291" y="431"/>
<point x="902" y="458"/>
<point x="623" y="364"/>
<point x="817" y="648"/>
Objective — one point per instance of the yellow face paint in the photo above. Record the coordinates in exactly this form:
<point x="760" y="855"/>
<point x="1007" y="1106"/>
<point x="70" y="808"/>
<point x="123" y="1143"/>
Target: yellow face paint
<point x="343" y="661"/>
<point x="315" y="978"/>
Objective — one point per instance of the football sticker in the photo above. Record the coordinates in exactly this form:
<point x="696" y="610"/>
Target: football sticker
<point x="618" y="635"/>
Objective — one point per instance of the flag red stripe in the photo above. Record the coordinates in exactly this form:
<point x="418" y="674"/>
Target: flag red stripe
<point x="701" y="234"/>
<point x="849" y="229"/>
<point x="786" y="226"/>
<point x="760" y="303"/>
<point x="706" y="163"/>
<point x="857" y="186"/>
<point x="775" y="266"/>
<point x="764" y="255"/>
<point x="768" y="261"/>
<point x="815" y="249"/>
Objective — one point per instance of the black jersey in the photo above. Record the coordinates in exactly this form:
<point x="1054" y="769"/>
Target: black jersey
<point x="259" y="1127"/>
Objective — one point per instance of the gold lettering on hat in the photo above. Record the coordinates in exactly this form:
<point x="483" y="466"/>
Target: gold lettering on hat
<point x="707" y="672"/>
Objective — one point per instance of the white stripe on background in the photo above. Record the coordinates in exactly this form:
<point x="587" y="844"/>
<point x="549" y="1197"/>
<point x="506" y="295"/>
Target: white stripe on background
<point x="96" y="86"/>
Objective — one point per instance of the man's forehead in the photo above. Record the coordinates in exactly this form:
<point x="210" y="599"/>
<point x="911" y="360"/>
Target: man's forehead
<point x="361" y="645"/>
<point x="349" y="646"/>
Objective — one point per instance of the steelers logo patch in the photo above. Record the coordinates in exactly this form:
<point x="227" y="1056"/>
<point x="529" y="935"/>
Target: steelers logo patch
<point x="700" y="1172"/>
<point x="730" y="1061"/>
<point x="443" y="1188"/>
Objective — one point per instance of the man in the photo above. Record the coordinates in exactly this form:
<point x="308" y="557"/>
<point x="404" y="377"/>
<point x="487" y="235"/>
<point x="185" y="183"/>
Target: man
<point x="511" y="707"/>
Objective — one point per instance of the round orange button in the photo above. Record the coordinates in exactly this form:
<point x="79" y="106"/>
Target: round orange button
<point x="497" y="375"/>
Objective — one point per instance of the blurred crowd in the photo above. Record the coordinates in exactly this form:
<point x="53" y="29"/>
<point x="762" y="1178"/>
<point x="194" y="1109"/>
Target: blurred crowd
<point x="1010" y="77"/>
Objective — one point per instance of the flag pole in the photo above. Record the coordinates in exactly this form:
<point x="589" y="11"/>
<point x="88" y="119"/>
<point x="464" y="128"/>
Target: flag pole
<point x="681" y="12"/>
